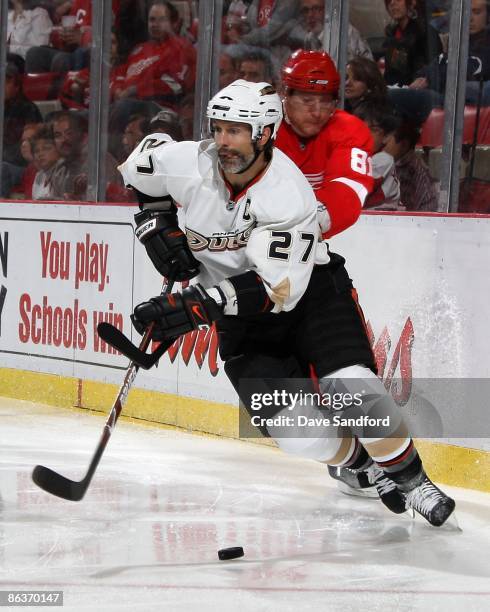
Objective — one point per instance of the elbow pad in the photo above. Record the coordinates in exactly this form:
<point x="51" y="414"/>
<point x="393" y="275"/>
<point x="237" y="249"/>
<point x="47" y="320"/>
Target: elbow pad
<point x="245" y="295"/>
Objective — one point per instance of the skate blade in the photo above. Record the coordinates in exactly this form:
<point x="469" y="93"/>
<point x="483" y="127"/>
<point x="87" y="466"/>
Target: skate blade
<point x="369" y="493"/>
<point x="451" y="523"/>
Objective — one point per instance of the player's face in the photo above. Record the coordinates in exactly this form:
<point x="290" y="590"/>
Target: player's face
<point x="234" y="143"/>
<point x="309" y="112"/>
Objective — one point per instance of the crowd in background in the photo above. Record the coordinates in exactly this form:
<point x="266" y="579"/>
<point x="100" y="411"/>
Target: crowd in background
<point x="393" y="82"/>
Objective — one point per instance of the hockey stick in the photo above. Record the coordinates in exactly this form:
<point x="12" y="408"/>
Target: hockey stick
<point x="74" y="490"/>
<point x="113" y="336"/>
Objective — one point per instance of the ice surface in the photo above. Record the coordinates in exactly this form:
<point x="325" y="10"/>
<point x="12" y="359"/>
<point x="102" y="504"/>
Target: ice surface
<point x="162" y="502"/>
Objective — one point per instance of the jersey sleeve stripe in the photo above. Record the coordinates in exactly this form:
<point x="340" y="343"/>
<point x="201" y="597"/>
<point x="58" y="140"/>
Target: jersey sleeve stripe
<point x="358" y="188"/>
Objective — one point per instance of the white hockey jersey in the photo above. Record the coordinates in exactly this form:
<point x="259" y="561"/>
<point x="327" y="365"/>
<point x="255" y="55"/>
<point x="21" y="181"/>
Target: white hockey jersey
<point x="271" y="227"/>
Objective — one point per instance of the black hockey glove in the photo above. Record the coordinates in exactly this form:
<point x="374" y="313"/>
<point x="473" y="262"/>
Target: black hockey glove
<point x="165" y="243"/>
<point x="176" y="313"/>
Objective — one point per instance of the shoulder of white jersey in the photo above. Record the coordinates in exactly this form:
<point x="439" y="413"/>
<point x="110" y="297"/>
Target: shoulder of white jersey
<point x="290" y="174"/>
<point x="284" y="192"/>
<point x="157" y="158"/>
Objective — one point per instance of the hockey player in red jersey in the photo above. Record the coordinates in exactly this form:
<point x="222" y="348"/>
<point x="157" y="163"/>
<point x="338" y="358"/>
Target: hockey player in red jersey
<point x="273" y="288"/>
<point x="333" y="149"/>
<point x="330" y="146"/>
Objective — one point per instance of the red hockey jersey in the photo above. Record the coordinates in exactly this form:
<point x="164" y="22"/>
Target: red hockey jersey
<point x="160" y="69"/>
<point x="337" y="164"/>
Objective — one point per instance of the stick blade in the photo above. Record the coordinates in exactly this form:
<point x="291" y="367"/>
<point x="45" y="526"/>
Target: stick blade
<point x="113" y="336"/>
<point x="56" y="484"/>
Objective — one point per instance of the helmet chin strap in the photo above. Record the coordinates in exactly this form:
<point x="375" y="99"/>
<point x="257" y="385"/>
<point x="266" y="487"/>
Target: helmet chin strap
<point x="257" y="152"/>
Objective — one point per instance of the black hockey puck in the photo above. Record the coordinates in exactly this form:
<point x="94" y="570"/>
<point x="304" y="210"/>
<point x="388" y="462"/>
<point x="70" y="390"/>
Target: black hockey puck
<point x="230" y="553"/>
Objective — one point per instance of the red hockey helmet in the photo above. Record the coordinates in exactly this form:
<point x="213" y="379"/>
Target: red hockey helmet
<point x="311" y="71"/>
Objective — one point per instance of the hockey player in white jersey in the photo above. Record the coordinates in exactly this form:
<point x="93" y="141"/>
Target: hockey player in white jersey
<point x="282" y="303"/>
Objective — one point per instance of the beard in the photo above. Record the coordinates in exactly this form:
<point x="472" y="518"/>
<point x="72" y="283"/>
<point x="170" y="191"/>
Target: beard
<point x="234" y="162"/>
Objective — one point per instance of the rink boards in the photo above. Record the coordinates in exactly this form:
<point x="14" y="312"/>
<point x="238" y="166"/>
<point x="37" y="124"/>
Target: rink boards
<point x="423" y="283"/>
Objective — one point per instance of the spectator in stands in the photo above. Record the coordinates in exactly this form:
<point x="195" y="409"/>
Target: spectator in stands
<point x="159" y="71"/>
<point x="163" y="67"/>
<point x="166" y="121"/>
<point x="25" y="142"/>
<point x="433" y="77"/>
<point x="227" y="69"/>
<point x="364" y="85"/>
<point x="386" y="192"/>
<point x="237" y="44"/>
<point x="129" y="20"/>
<point x="417" y="188"/>
<point x="409" y="44"/>
<point x="70" y="137"/>
<point x="18" y="111"/>
<point x="69" y="42"/>
<point x="308" y="33"/>
<point x="234" y="28"/>
<point x="47" y="161"/>
<point x="256" y="67"/>
<point x="27" y="26"/>
<point x="269" y="24"/>
<point x="235" y="24"/>
<point x="75" y="90"/>
<point x="24" y="188"/>
<point x="137" y="128"/>
<point x="479" y="52"/>
<point x="70" y="133"/>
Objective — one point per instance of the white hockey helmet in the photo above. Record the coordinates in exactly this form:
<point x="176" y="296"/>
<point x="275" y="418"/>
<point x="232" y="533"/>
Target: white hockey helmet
<point x="256" y="104"/>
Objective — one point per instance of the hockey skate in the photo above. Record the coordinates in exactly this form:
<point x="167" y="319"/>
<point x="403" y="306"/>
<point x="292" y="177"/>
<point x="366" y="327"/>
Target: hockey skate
<point x="353" y="482"/>
<point x="371" y="482"/>
<point x="430" y="502"/>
